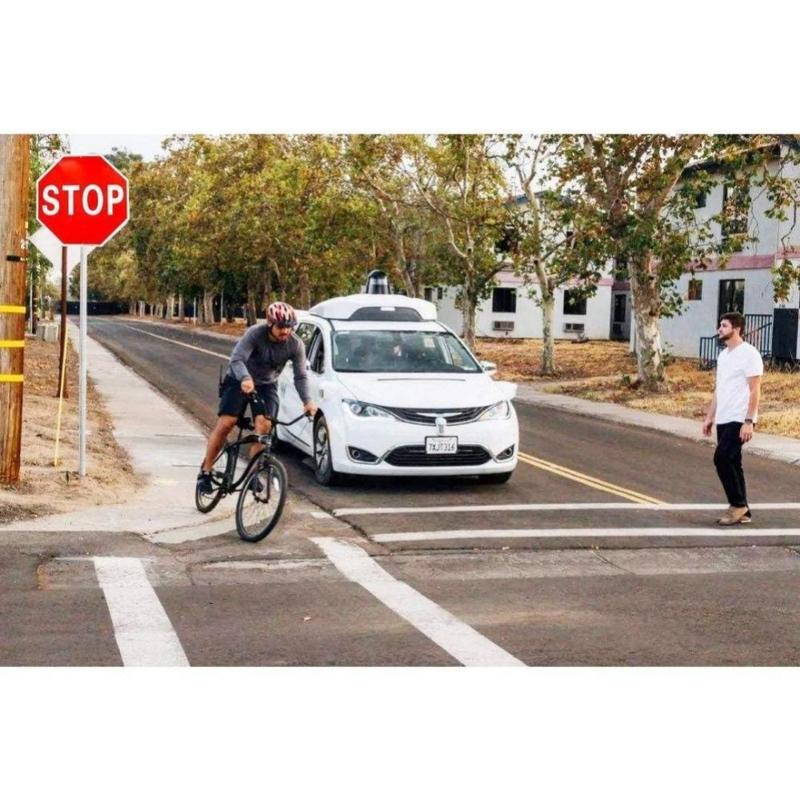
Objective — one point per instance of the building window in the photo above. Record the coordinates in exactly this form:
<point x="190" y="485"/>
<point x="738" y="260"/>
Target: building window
<point x="574" y="303"/>
<point x="433" y="293"/>
<point x="504" y="301"/>
<point x="734" y="208"/>
<point x="700" y="200"/>
<point x="621" y="268"/>
<point x="695" y="289"/>
<point x="731" y="297"/>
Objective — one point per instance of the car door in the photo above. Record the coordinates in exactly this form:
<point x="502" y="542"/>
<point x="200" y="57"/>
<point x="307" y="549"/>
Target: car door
<point x="291" y="404"/>
<point x="316" y="377"/>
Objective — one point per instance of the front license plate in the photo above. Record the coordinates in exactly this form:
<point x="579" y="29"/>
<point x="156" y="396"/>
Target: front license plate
<point x="437" y="445"/>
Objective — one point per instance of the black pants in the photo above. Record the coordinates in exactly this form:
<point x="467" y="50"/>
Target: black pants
<point x="728" y="461"/>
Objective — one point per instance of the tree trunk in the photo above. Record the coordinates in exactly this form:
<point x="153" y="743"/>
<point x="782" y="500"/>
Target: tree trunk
<point x="208" y="306"/>
<point x="646" y="303"/>
<point x="250" y="306"/>
<point x="402" y="267"/>
<point x="468" y="306"/>
<point x="548" y="339"/>
<point x="303" y="284"/>
<point x="181" y="308"/>
<point x="469" y="322"/>
<point x="266" y="297"/>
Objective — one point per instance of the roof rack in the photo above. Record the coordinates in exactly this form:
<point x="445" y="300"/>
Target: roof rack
<point x="376" y="308"/>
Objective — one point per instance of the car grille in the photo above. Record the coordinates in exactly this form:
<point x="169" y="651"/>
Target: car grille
<point x="415" y="456"/>
<point x="427" y="416"/>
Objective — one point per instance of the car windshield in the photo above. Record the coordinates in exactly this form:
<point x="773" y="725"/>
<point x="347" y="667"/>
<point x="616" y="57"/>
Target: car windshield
<point x="400" y="351"/>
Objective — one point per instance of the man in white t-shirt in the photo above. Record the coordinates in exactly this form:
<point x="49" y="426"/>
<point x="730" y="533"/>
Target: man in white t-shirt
<point x="734" y="410"/>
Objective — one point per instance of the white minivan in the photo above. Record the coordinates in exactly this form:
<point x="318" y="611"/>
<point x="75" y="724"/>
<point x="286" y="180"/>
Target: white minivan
<point x="398" y="394"/>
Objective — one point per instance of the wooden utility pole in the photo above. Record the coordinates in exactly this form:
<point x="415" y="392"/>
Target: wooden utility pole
<point x="14" y="178"/>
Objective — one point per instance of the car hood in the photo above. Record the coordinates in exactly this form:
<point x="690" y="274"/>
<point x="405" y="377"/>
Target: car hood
<point x="415" y="391"/>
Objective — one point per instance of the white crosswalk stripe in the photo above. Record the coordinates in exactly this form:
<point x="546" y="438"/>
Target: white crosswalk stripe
<point x="457" y="638"/>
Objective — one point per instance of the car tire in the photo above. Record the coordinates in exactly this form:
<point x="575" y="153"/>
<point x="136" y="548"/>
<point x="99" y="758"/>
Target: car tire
<point x="324" y="473"/>
<point x="495" y="478"/>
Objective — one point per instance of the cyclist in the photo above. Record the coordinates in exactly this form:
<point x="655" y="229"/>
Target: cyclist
<point x="255" y="364"/>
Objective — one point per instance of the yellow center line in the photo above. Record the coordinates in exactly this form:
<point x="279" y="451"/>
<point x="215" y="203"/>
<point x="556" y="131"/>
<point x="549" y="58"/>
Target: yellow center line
<point x="590" y="484"/>
<point x="644" y="497"/>
<point x="589" y="480"/>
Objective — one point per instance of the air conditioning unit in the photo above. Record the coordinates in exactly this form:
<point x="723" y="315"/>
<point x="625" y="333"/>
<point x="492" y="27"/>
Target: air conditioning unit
<point x="574" y="327"/>
<point x="503" y="325"/>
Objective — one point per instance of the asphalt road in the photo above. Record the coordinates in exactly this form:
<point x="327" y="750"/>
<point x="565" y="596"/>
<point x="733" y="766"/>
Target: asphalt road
<point x="583" y="461"/>
<point x="361" y="575"/>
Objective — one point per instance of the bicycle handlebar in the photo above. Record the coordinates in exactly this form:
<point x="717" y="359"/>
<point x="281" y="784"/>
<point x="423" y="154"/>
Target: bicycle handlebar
<point x="256" y="401"/>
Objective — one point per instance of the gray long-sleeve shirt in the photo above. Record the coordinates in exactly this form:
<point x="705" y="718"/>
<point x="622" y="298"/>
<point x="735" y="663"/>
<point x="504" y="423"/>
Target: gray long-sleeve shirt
<point x="256" y="356"/>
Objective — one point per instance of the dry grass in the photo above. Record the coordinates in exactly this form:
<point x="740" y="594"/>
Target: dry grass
<point x="520" y="359"/>
<point x="689" y="392"/>
<point x="43" y="488"/>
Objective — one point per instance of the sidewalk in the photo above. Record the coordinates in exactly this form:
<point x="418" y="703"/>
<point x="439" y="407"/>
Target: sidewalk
<point x="165" y="447"/>
<point x="780" y="448"/>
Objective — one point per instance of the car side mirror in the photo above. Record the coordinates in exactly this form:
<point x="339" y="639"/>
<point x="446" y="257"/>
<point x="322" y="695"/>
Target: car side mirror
<point x="489" y="367"/>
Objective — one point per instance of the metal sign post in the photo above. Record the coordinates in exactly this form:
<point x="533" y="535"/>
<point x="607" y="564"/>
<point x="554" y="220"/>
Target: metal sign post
<point x="83" y="369"/>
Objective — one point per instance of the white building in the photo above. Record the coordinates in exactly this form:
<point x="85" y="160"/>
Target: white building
<point x="744" y="284"/>
<point x="511" y="312"/>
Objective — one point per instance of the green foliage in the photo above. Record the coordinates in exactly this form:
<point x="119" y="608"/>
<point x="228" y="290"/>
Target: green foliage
<point x="45" y="148"/>
<point x="304" y="217"/>
<point x="636" y="196"/>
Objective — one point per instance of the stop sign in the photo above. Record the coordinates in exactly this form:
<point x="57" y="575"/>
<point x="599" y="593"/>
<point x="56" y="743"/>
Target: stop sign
<point x="82" y="200"/>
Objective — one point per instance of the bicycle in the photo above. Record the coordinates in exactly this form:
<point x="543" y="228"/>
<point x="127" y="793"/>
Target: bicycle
<point x="263" y="484"/>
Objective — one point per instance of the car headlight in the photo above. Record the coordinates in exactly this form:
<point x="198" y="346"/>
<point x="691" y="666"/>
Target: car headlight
<point x="365" y="410"/>
<point x="501" y="410"/>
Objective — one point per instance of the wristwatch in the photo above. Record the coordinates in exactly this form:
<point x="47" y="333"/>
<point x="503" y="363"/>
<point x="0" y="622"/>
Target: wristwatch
<point x="749" y="421"/>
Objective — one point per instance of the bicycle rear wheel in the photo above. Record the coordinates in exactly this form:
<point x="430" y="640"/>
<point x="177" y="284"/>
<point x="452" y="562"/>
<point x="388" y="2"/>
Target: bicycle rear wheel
<point x="205" y="502"/>
<point x="261" y="501"/>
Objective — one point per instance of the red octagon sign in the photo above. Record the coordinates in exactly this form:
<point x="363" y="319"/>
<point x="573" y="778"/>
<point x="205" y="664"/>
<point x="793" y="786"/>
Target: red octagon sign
<point x="82" y="200"/>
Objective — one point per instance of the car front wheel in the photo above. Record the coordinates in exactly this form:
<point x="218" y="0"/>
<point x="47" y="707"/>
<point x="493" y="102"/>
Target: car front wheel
<point x="323" y="460"/>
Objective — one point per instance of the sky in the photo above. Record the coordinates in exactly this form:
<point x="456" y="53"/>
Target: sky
<point x="146" y="145"/>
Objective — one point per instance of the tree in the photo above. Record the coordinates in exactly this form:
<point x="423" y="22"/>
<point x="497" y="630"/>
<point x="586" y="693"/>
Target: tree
<point x="637" y="195"/>
<point x="405" y="232"/>
<point x="459" y="178"/>
<point x="546" y="242"/>
<point x="45" y="149"/>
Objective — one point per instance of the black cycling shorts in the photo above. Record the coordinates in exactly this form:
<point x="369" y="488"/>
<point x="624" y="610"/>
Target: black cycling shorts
<point x="233" y="402"/>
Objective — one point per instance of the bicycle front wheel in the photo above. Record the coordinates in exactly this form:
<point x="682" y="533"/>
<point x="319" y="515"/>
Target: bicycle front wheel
<point x="261" y="501"/>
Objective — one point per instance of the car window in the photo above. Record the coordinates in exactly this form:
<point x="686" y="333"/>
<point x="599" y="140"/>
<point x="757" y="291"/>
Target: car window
<point x="400" y="351"/>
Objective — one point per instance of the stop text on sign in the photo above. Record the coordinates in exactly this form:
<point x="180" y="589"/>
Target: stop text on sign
<point x="93" y="199"/>
<point x="82" y="200"/>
